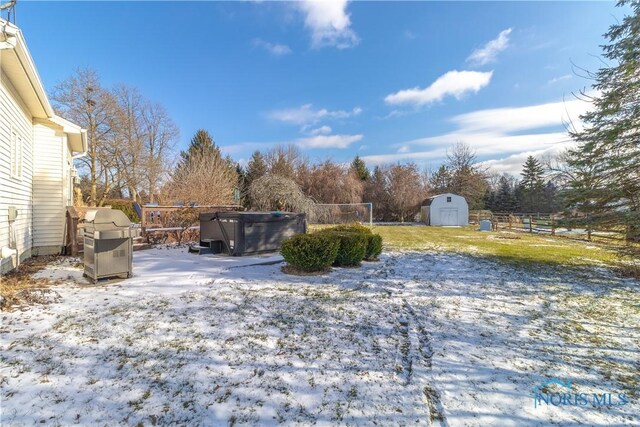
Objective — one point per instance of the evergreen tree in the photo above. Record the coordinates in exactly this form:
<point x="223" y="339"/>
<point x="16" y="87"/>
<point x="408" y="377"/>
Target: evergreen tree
<point x="505" y="197"/>
<point x="608" y="153"/>
<point x="441" y="180"/>
<point x="256" y="167"/>
<point x="360" y="168"/>
<point x="203" y="144"/>
<point x="532" y="174"/>
<point x="531" y="194"/>
<point x="551" y="198"/>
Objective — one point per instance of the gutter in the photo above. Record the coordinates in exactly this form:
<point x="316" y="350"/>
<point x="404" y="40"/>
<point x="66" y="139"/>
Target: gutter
<point x="14" y="40"/>
<point x="8" y="36"/>
<point x="85" y="146"/>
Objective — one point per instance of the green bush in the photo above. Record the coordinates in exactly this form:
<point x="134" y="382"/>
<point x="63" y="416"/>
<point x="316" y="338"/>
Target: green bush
<point x="310" y="252"/>
<point x="354" y="227"/>
<point x="125" y="206"/>
<point x="374" y="247"/>
<point x="352" y="247"/>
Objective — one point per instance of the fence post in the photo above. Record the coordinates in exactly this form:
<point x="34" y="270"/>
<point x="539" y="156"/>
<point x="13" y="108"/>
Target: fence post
<point x="530" y="223"/>
<point x="553" y="225"/>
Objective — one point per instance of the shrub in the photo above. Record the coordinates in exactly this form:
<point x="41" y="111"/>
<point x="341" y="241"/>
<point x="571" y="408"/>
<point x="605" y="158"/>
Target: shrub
<point x="310" y="252"/>
<point x="125" y="206"/>
<point x="354" y="227"/>
<point x="374" y="247"/>
<point x="352" y="247"/>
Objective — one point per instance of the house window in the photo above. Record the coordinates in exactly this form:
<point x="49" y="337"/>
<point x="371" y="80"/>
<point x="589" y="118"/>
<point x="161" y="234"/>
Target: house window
<point x="448" y="199"/>
<point x="16" y="155"/>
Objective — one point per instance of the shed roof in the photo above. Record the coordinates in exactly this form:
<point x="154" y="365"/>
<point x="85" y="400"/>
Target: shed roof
<point x="430" y="200"/>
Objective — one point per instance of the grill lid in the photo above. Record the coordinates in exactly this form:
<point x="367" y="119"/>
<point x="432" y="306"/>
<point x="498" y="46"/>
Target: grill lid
<point x="107" y="218"/>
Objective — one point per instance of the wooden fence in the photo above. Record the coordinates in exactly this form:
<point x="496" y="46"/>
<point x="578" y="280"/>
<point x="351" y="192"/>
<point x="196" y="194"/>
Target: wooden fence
<point x="157" y="222"/>
<point x="545" y="223"/>
<point x="160" y="223"/>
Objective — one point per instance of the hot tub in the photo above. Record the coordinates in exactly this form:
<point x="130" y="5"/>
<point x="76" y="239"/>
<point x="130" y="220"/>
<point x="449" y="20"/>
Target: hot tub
<point x="245" y="233"/>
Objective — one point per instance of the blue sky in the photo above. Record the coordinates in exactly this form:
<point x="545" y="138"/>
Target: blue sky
<point x="390" y="81"/>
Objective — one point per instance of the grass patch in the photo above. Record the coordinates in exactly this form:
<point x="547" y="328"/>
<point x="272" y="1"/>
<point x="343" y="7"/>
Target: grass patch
<point x="513" y="247"/>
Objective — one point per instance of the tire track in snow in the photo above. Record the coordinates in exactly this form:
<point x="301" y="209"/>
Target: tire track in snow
<point x="421" y="349"/>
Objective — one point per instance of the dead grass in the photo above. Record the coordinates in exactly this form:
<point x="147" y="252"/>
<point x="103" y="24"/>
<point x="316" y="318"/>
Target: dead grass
<point x="288" y="269"/>
<point x="18" y="288"/>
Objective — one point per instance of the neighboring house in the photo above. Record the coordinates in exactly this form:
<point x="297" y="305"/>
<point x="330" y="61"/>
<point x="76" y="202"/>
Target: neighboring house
<point x="445" y="209"/>
<point x="37" y="149"/>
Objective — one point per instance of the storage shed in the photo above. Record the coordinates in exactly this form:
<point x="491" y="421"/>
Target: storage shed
<point x="445" y="209"/>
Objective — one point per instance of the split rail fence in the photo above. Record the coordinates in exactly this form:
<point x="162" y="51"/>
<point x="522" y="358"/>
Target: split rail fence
<point x="544" y="223"/>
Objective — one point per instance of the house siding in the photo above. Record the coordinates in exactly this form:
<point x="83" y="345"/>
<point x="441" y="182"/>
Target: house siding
<point x="15" y="192"/>
<point x="49" y="181"/>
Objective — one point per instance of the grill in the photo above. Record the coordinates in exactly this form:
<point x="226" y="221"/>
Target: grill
<point x="244" y="233"/>
<point x="108" y="244"/>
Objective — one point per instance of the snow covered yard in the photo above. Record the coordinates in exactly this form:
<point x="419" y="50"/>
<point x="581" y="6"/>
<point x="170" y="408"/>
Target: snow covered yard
<point x="420" y="338"/>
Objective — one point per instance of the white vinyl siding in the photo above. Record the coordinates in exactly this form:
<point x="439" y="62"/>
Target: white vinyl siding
<point x="15" y="192"/>
<point x="49" y="181"/>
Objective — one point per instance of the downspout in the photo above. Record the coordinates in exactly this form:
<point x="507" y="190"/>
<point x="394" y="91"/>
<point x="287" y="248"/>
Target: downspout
<point x="12" y="249"/>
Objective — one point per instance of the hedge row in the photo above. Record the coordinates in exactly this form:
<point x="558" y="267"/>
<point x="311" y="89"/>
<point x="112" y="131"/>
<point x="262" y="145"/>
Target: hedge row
<point x="341" y="246"/>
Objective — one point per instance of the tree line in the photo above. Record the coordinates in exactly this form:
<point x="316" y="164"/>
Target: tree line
<point x="132" y="142"/>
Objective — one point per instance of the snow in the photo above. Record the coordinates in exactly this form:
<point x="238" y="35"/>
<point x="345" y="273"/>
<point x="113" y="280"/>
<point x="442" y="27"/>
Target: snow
<point x="420" y="338"/>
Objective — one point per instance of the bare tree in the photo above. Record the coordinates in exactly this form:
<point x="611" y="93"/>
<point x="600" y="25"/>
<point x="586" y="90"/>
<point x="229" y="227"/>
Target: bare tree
<point x="285" y="161"/>
<point x="128" y="133"/>
<point x="405" y="191"/>
<point x="82" y="99"/>
<point x="204" y="179"/>
<point x="160" y="134"/>
<point x="375" y="192"/>
<point x="330" y="182"/>
<point x="465" y="177"/>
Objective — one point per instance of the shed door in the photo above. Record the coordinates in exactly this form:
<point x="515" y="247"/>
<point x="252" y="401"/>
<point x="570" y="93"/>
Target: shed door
<point x="449" y="216"/>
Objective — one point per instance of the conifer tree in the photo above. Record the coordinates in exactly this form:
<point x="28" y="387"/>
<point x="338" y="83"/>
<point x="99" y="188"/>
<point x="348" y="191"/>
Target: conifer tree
<point x="607" y="156"/>
<point x="360" y="168"/>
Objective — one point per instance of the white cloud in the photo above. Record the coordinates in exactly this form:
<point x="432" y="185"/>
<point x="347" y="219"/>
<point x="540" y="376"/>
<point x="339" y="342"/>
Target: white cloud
<point x="378" y="159"/>
<point x="513" y="164"/>
<point x="308" y="115"/>
<point x="505" y="135"/>
<point x="322" y="130"/>
<point x="514" y="119"/>
<point x="329" y="23"/>
<point x="454" y="83"/>
<point x="490" y="51"/>
<point x="273" y="48"/>
<point x="328" y="141"/>
<point x="559" y="79"/>
<point x="494" y="143"/>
